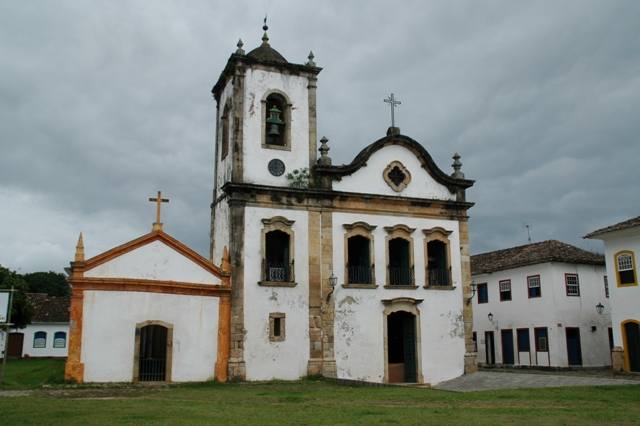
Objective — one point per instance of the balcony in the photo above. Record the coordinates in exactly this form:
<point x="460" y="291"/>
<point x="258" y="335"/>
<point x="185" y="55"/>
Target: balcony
<point x="439" y="277"/>
<point x="401" y="276"/>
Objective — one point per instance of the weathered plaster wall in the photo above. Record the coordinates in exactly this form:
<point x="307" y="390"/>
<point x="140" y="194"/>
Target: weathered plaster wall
<point x="108" y="339"/>
<point x="554" y="310"/>
<point x="623" y="300"/>
<point x="265" y="359"/>
<point x="359" y="319"/>
<point x="154" y="261"/>
<point x="48" y="350"/>
<point x="256" y="158"/>
<point x="422" y="185"/>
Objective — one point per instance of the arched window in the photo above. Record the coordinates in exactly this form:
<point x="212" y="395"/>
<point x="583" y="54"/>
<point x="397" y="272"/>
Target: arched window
<point x="625" y="267"/>
<point x="400" y="256"/>
<point x="40" y="339"/>
<point x="277" y="252"/>
<point x="437" y="257"/>
<point x="60" y="339"/>
<point x="359" y="256"/>
<point x="225" y="122"/>
<point x="276" y="121"/>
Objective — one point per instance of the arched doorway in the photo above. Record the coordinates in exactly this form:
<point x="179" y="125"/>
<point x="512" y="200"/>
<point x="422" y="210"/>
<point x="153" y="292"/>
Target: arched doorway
<point x="402" y="341"/>
<point x="631" y="336"/>
<point x="401" y="347"/>
<point x="152" y="360"/>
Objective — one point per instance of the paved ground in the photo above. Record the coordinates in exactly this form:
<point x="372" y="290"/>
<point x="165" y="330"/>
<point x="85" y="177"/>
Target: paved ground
<point x="15" y="393"/>
<point x="489" y="380"/>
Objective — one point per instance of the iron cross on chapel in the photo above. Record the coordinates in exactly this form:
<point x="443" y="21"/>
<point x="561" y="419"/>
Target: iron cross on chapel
<point x="393" y="101"/>
<point x="157" y="226"/>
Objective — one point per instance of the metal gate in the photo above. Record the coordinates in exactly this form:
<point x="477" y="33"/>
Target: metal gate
<point x="153" y="354"/>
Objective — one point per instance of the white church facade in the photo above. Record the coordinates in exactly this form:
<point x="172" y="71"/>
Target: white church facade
<point x="359" y="271"/>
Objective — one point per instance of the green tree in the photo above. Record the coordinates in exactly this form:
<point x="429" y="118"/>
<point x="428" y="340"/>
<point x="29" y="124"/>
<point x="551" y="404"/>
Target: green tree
<point x="51" y="283"/>
<point x="22" y="310"/>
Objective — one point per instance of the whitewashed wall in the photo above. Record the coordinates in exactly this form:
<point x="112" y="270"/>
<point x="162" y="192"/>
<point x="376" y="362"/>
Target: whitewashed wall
<point x="154" y="261"/>
<point x="422" y="185"/>
<point x="48" y="350"/>
<point x="554" y="310"/>
<point x="256" y="158"/>
<point x="359" y="319"/>
<point x="624" y="300"/>
<point x="109" y="325"/>
<point x="265" y="359"/>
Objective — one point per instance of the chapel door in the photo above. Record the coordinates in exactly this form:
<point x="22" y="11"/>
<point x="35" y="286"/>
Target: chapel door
<point x="507" y="347"/>
<point x="401" y="347"/>
<point x="574" y="352"/>
<point x="153" y="354"/>
<point x="632" y="345"/>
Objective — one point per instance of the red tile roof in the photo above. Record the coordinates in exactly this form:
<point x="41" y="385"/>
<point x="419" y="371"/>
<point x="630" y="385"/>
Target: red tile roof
<point x="617" y="227"/>
<point x="531" y="254"/>
<point x="49" y="308"/>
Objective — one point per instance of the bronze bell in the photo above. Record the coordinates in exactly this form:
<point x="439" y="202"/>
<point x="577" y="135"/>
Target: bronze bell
<point x="274" y="130"/>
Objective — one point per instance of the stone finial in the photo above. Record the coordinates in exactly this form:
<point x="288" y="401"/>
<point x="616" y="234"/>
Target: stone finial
<point x="456" y="167"/>
<point x="324" y="159"/>
<point x="311" y="63"/>
<point x="240" y="50"/>
<point x="80" y="250"/>
<point x="226" y="266"/>
<point x="392" y="131"/>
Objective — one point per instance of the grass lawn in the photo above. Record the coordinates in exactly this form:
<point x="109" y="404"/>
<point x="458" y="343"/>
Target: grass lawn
<point x="308" y="402"/>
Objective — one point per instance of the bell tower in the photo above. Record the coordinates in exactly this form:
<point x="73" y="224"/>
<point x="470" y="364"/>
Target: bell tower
<point x="266" y="117"/>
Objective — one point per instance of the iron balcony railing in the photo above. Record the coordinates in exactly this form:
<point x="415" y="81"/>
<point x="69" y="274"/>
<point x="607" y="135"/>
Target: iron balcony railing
<point x="360" y="274"/>
<point x="401" y="275"/>
<point x="439" y="277"/>
<point x="278" y="272"/>
<point x="152" y="369"/>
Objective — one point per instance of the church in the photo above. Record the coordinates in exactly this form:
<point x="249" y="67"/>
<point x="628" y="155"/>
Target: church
<point x="357" y="272"/>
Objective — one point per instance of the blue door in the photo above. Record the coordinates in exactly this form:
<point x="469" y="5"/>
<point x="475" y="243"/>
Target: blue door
<point x="507" y="346"/>
<point x="574" y="352"/>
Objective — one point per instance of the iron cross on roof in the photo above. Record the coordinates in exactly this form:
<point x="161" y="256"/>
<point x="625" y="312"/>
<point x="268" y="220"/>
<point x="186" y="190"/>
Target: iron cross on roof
<point x="391" y="100"/>
<point x="159" y="200"/>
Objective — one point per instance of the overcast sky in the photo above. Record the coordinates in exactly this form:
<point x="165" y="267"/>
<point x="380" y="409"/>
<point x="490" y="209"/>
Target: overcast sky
<point x="102" y="104"/>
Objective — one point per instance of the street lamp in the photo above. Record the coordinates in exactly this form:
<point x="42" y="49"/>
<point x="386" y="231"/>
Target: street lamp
<point x="333" y="280"/>
<point x="599" y="308"/>
<point x="473" y="291"/>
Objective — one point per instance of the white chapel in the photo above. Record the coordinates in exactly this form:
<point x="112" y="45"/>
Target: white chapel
<point x="354" y="272"/>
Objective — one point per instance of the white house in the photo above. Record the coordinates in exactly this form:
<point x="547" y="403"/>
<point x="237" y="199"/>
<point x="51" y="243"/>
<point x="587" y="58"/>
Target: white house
<point x="389" y="231"/>
<point x="47" y="334"/>
<point x="536" y="305"/>
<point x="621" y="243"/>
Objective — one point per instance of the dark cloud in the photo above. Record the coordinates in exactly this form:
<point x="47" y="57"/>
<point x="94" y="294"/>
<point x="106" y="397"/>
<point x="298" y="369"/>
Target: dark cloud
<point x="104" y="104"/>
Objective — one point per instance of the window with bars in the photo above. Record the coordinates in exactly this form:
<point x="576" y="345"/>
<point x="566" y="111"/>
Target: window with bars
<point x="505" y="290"/>
<point x="573" y="287"/>
<point x="533" y="283"/>
<point x="606" y="286"/>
